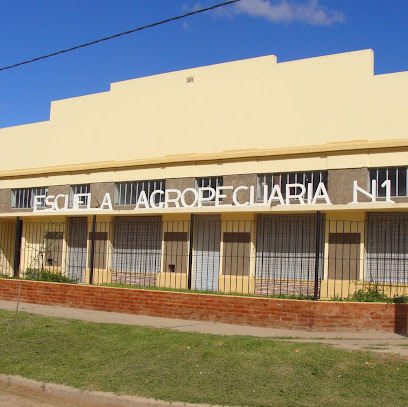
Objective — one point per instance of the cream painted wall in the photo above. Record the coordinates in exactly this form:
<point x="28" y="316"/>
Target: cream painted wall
<point x="250" y="104"/>
<point x="256" y="166"/>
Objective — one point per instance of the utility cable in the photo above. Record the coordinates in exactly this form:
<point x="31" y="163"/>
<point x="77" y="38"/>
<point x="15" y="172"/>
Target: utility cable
<point x="120" y="34"/>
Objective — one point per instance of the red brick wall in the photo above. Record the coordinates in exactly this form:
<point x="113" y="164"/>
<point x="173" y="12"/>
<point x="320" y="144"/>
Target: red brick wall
<point x="268" y="312"/>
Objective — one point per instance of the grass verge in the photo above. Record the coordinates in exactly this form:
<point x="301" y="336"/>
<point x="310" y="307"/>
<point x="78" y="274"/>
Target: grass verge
<point x="197" y="368"/>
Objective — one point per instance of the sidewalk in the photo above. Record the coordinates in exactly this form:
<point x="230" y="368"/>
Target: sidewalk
<point x="374" y="341"/>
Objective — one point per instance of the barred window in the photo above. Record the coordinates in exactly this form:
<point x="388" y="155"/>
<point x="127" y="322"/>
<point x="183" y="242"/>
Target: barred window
<point x="79" y="189"/>
<point x="387" y="250"/>
<point x="24" y="198"/>
<point x="208" y="182"/>
<point x="127" y="193"/>
<point x="284" y="178"/>
<point x="286" y="249"/>
<point x="397" y="176"/>
<point x="137" y="247"/>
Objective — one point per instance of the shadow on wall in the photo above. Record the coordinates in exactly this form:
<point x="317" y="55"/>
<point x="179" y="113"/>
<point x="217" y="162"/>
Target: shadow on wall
<point x="401" y="319"/>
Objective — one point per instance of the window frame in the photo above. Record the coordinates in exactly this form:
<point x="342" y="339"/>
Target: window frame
<point x="208" y="182"/>
<point x="380" y="192"/>
<point x="72" y="193"/>
<point x="132" y="190"/>
<point x="277" y="178"/>
<point x="27" y="200"/>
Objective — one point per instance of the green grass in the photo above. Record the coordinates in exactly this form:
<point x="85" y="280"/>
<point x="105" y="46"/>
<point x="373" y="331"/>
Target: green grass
<point x="185" y="290"/>
<point x="197" y="368"/>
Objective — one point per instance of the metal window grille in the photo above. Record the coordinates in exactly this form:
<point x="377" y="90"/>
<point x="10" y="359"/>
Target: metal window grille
<point x="387" y="247"/>
<point x="285" y="253"/>
<point x="127" y="193"/>
<point x="137" y="244"/>
<point x="144" y="250"/>
<point x="79" y="189"/>
<point x="206" y="253"/>
<point x="77" y="248"/>
<point x="284" y="178"/>
<point x="397" y="176"/>
<point x="24" y="198"/>
<point x="208" y="182"/>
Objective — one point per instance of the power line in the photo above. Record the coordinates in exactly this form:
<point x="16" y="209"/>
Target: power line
<point x="120" y="34"/>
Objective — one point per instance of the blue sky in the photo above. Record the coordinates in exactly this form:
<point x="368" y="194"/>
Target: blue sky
<point x="290" y="29"/>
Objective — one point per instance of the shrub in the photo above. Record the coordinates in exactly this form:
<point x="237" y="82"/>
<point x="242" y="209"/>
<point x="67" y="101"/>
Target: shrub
<point x="402" y="299"/>
<point x="370" y="293"/>
<point x="373" y="293"/>
<point x="45" y="275"/>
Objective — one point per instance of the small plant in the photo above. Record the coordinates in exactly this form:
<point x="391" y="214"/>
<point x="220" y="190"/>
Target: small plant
<point x="2" y="275"/>
<point x="370" y="293"/>
<point x="402" y="299"/>
<point x="45" y="275"/>
<point x="373" y="293"/>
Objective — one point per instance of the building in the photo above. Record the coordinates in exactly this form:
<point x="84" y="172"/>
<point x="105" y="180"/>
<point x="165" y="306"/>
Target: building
<point x="250" y="176"/>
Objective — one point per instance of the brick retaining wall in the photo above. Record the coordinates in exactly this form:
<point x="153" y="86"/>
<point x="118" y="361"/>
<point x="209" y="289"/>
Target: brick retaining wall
<point x="266" y="312"/>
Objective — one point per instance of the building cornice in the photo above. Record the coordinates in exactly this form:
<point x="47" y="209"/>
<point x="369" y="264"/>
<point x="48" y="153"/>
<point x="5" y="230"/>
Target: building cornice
<point x="330" y="149"/>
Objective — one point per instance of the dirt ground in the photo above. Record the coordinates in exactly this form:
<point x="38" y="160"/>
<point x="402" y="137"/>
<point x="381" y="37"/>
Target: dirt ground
<point x="16" y="391"/>
<point x="22" y="396"/>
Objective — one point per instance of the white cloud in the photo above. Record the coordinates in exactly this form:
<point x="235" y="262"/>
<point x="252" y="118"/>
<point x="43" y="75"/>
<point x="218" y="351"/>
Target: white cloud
<point x="278" y="11"/>
<point x="188" y="9"/>
<point x="288" y="11"/>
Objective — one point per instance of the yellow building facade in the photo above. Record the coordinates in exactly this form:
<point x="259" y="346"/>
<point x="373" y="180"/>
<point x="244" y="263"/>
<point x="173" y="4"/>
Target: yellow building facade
<point x="251" y="176"/>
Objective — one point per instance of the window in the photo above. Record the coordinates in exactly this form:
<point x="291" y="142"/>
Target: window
<point x="79" y="189"/>
<point x="208" y="182"/>
<point x="286" y="254"/>
<point x="127" y="193"/>
<point x="24" y="198"/>
<point x="397" y="176"/>
<point x="137" y="245"/>
<point x="284" y="178"/>
<point x="387" y="250"/>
